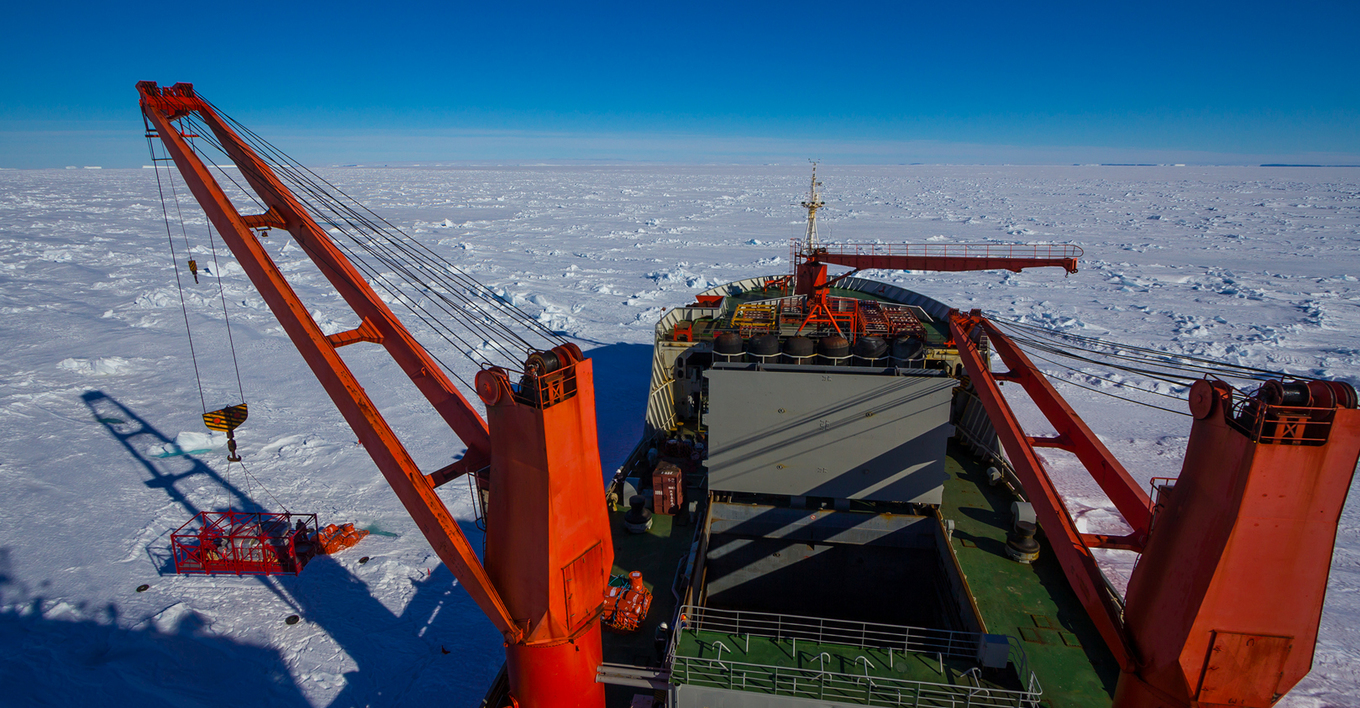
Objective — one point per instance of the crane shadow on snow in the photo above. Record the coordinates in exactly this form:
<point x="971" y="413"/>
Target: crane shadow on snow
<point x="437" y="647"/>
<point x="136" y="435"/>
<point x="101" y="661"/>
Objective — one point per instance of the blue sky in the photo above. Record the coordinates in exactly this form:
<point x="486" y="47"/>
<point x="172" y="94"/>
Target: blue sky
<point x="340" y="82"/>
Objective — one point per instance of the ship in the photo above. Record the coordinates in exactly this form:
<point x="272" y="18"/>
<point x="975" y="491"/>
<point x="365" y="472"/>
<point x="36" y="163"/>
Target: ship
<point x="831" y="518"/>
<point x="832" y="503"/>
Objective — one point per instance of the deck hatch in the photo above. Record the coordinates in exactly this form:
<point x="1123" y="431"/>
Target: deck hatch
<point x="810" y="434"/>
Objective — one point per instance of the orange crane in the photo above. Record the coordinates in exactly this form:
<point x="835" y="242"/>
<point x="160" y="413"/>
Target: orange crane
<point x="548" y="550"/>
<point x="1224" y="605"/>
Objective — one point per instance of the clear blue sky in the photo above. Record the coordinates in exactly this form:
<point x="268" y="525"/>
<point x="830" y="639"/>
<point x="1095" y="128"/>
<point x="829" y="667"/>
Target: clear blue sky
<point x="340" y="82"/>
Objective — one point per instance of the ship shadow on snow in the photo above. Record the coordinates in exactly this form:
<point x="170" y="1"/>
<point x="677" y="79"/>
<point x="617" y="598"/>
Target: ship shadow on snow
<point x="439" y="646"/>
<point x="623" y="373"/>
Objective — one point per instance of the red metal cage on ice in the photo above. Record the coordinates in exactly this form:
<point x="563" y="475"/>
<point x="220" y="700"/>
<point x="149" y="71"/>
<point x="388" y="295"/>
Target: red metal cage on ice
<point x="254" y="543"/>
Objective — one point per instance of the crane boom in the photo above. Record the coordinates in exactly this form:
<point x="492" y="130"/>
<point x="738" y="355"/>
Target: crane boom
<point x="548" y="544"/>
<point x="416" y="492"/>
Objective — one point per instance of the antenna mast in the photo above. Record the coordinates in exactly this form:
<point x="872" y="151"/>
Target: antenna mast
<point x="812" y="204"/>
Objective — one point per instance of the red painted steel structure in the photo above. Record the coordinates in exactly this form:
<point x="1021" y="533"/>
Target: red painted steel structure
<point x="1225" y="603"/>
<point x="244" y="543"/>
<point x="1222" y="610"/>
<point x="1223" y="607"/>
<point x="540" y="587"/>
<point x="811" y="279"/>
<point x="810" y="264"/>
<point x="1071" y="551"/>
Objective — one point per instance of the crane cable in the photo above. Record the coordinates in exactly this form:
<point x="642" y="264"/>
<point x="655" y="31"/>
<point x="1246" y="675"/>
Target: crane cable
<point x="386" y="230"/>
<point x="222" y="294"/>
<point x="1143" y="355"/>
<point x="221" y="289"/>
<point x="473" y="283"/>
<point x="310" y="182"/>
<point x="1151" y="363"/>
<point x="341" y="216"/>
<point x="372" y="275"/>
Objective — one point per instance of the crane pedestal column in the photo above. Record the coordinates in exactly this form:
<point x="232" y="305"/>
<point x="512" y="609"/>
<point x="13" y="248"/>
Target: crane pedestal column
<point x="548" y="548"/>
<point x="562" y="675"/>
<point x="1225" y="603"/>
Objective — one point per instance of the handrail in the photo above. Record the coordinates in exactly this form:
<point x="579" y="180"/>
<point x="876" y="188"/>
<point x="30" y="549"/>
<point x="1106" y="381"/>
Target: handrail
<point x="919" y="640"/>
<point x="1276" y="424"/>
<point x="1057" y="251"/>
<point x="839" y="686"/>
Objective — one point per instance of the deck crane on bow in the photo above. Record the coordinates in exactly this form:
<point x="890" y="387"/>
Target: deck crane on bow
<point x="548" y="551"/>
<point x="811" y="258"/>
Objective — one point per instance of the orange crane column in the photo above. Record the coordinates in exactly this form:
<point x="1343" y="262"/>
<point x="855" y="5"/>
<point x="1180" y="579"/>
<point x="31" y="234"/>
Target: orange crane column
<point x="548" y="539"/>
<point x="1225" y="602"/>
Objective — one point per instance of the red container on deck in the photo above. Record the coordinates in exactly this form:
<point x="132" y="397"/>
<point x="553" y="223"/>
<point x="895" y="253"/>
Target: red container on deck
<point x="668" y="489"/>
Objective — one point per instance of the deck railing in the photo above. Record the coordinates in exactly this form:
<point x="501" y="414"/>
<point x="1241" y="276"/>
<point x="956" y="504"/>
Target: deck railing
<point x="848" y="688"/>
<point x="821" y="630"/>
<point x="939" y="643"/>
<point x="1054" y="251"/>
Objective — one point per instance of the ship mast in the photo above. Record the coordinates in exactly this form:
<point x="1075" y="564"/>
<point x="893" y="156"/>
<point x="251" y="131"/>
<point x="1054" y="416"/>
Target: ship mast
<point x="812" y="204"/>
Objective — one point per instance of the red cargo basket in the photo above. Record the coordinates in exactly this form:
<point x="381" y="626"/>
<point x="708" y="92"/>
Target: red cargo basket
<point x="244" y="543"/>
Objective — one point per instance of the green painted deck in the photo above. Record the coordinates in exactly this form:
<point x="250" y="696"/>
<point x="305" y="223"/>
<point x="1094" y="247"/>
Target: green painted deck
<point x="657" y="554"/>
<point x="1033" y="602"/>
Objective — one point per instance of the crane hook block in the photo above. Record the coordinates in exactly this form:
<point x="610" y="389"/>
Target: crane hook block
<point x="226" y="419"/>
<point x="193" y="268"/>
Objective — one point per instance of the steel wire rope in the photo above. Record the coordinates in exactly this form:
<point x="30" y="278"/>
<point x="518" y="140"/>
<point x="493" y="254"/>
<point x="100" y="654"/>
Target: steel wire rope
<point x="1122" y="398"/>
<point x="1167" y="367"/>
<point x="1227" y="371"/>
<point x="444" y="266"/>
<point x="390" y="261"/>
<point x="1150" y="373"/>
<point x="1152" y="356"/>
<point x="1115" y="383"/>
<point x="469" y="281"/>
<point x="179" y="284"/>
<point x="222" y="293"/>
<point x="475" y="322"/>
<point x="1161" y="375"/>
<point x="413" y="301"/>
<point x="376" y="276"/>
<point x="249" y="476"/>
<point x="1082" y="339"/>
<point x="226" y="487"/>
<point x="1112" y="382"/>
<point x="175" y="193"/>
<point x="469" y="311"/>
